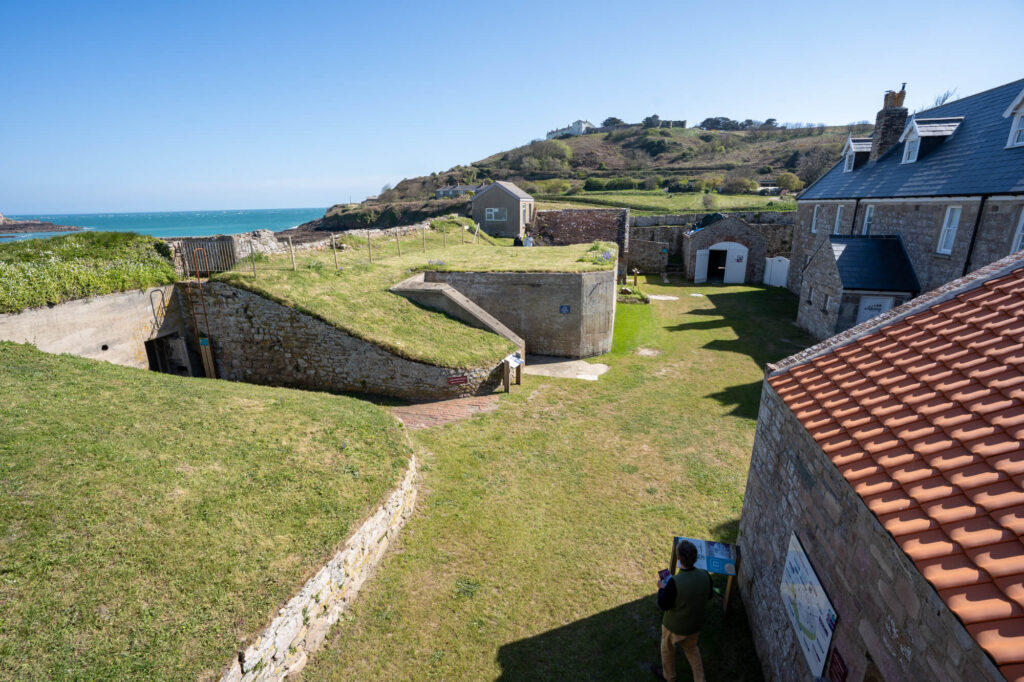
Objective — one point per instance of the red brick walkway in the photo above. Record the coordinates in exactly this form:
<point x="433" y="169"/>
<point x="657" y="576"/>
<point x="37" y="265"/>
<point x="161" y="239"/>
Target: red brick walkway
<point x="425" y="415"/>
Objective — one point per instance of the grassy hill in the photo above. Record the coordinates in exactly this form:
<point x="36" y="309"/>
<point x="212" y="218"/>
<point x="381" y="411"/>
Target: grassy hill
<point x="657" y="155"/>
<point x="151" y="524"/>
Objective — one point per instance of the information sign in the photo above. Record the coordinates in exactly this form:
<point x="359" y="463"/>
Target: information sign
<point x="808" y="607"/>
<point x="455" y="381"/>
<point x="563" y="309"/>
<point x="713" y="557"/>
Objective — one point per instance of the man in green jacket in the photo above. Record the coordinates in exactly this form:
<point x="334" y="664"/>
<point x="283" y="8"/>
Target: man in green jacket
<point x="682" y="597"/>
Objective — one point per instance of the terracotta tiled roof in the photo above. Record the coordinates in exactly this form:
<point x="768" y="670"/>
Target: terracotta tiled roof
<point x="925" y="420"/>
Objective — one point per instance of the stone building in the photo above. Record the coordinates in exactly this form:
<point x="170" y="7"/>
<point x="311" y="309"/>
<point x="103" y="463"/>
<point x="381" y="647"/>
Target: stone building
<point x="503" y="210"/>
<point x="949" y="181"/>
<point x="851" y="279"/>
<point x="577" y="127"/>
<point x="723" y="249"/>
<point x="890" y="458"/>
<point x="455" y="190"/>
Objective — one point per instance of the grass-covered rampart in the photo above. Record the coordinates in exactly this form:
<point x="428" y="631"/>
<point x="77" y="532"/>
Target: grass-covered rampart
<point x="38" y="272"/>
<point x="150" y="524"/>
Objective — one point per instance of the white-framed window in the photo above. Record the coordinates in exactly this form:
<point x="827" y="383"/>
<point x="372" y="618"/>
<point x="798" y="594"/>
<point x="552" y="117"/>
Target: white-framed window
<point x="814" y="218"/>
<point x="948" y="234"/>
<point x="1018" y="236"/>
<point x="849" y="163"/>
<point x="496" y="215"/>
<point x="869" y="217"/>
<point x="824" y="304"/>
<point x="1017" y="131"/>
<point x="910" y="149"/>
<point x="839" y="219"/>
<point x="810" y="295"/>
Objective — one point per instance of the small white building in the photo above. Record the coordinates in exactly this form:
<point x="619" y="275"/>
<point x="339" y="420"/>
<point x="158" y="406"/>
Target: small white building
<point x="574" y="128"/>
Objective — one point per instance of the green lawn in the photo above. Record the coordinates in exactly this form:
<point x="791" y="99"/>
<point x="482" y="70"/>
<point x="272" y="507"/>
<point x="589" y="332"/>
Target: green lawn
<point x="534" y="551"/>
<point x="658" y="202"/>
<point x="38" y="272"/>
<point x="357" y="298"/>
<point x="150" y="524"/>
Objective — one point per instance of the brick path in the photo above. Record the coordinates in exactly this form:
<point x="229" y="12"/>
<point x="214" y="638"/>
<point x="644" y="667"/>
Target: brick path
<point x="425" y="415"/>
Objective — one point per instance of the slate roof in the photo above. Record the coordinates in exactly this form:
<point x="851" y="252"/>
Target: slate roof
<point x="924" y="418"/>
<point x="508" y="187"/>
<point x="973" y="161"/>
<point x="873" y="262"/>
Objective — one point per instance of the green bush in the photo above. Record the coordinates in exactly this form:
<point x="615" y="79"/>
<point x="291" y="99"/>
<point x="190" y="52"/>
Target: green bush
<point x="594" y="185"/>
<point x="38" y="272"/>
<point x="620" y="183"/>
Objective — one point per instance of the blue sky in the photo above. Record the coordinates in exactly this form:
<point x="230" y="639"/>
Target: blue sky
<point x="137" y="106"/>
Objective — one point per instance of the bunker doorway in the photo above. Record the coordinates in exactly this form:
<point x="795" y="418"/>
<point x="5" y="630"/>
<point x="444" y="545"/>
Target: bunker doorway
<point x="717" y="259"/>
<point x="169" y="355"/>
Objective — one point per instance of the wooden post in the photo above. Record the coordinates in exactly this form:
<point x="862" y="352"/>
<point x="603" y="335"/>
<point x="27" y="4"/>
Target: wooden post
<point x="334" y="248"/>
<point x="369" y="246"/>
<point x="423" y="233"/>
<point x="463" y="231"/>
<point x="476" y="235"/>
<point x="731" y="582"/>
<point x="445" y="233"/>
<point x="292" y="250"/>
<point x="506" y="372"/>
<point x="398" y="243"/>
<point x="252" y="254"/>
<point x="519" y="374"/>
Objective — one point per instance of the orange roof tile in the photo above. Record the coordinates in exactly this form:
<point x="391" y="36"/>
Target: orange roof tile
<point x="925" y="420"/>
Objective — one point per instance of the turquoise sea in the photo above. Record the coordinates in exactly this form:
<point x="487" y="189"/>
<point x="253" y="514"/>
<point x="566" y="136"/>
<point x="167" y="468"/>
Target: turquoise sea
<point x="170" y="224"/>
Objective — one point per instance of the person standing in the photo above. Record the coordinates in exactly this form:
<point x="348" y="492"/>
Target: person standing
<point x="683" y="597"/>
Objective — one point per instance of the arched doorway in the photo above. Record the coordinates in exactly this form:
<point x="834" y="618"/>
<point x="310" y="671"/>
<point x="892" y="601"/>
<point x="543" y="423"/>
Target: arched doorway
<point x="724" y="262"/>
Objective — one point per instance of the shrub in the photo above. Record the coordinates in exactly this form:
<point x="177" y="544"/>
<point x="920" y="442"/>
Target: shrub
<point x="594" y="185"/>
<point x="764" y="170"/>
<point x="789" y="181"/>
<point x="621" y="183"/>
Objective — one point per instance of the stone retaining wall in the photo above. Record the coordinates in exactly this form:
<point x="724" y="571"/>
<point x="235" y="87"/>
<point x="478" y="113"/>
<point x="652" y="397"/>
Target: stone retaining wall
<point x="890" y="617"/>
<point x="763" y="217"/>
<point x="300" y="627"/>
<point x="648" y="256"/>
<point x="259" y="341"/>
<point x="584" y="225"/>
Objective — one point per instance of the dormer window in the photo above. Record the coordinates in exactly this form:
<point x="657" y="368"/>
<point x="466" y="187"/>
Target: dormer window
<point x="849" y="163"/>
<point x="911" y="148"/>
<point x="1016" y="109"/>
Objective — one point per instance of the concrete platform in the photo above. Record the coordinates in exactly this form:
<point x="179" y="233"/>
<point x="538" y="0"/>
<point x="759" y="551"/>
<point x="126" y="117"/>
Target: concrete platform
<point x="547" y="366"/>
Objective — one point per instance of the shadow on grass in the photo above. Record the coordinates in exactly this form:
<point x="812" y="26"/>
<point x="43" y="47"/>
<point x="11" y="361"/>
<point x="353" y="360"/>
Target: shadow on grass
<point x="621" y="644"/>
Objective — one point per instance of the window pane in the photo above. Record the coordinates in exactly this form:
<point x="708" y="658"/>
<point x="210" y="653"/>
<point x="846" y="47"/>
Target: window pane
<point x="869" y="215"/>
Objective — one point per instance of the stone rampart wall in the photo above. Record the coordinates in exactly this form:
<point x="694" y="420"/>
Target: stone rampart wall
<point x="301" y="626"/>
<point x="584" y="225"/>
<point x="555" y="313"/>
<point x="259" y="341"/>
<point x="888" y="613"/>
<point x="762" y="217"/>
<point x="647" y="256"/>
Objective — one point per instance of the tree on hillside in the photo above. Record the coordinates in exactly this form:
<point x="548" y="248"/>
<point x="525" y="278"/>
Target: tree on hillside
<point x="613" y="121"/>
<point x="652" y="121"/>
<point x="815" y="161"/>
<point x="789" y="181"/>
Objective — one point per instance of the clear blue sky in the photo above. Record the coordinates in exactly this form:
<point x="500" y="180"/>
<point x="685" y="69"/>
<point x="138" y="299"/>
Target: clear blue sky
<point x="136" y="106"/>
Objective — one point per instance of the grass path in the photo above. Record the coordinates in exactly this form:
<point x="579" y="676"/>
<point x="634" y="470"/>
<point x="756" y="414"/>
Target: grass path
<point x="534" y="549"/>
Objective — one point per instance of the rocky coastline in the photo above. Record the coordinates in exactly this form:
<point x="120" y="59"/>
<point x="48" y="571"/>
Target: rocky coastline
<point x="11" y="226"/>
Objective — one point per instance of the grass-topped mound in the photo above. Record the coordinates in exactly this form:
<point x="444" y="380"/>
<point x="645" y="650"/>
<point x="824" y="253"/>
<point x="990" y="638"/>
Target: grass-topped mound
<point x="38" y="272"/>
<point x="149" y="524"/>
<point x="357" y="299"/>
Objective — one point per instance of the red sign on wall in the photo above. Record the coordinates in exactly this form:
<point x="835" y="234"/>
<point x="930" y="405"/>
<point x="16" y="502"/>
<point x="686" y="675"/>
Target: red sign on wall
<point x="455" y="381"/>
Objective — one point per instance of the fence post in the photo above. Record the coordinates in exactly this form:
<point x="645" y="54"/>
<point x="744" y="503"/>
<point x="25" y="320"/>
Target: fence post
<point x="423" y="233"/>
<point x="292" y="249"/>
<point x="476" y="235"/>
<point x="444" y="231"/>
<point x="398" y="243"/>
<point x="463" y="231"/>
<point x="334" y="248"/>
<point x="369" y="246"/>
<point x="252" y="254"/>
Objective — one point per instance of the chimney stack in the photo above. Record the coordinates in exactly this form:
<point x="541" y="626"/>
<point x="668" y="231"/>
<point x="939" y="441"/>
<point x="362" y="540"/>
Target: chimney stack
<point x="889" y="123"/>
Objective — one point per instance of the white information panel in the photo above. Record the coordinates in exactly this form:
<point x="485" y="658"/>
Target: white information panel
<point x="809" y="610"/>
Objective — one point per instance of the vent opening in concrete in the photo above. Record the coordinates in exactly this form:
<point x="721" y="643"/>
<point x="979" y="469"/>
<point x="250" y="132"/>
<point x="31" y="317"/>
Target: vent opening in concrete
<point x="169" y="355"/>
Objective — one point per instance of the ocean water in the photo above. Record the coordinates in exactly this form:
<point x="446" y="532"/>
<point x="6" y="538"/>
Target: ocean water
<point x="169" y="224"/>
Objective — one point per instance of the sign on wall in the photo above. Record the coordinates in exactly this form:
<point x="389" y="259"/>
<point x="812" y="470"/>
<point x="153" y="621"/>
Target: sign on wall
<point x="808" y="607"/>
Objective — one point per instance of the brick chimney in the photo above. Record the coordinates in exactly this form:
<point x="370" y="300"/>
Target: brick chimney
<point x="889" y="123"/>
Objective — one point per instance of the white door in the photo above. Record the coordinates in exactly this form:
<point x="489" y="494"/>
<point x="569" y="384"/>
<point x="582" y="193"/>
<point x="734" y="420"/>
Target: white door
<point x="736" y="266"/>
<point x="775" y="271"/>
<point x="872" y="306"/>
<point x="700" y="274"/>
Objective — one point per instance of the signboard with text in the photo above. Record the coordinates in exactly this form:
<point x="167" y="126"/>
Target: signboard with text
<point x="713" y="557"/>
<point x="808" y="607"/>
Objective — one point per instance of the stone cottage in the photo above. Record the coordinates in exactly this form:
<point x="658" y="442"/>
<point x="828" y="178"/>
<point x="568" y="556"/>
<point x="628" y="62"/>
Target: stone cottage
<point x="723" y="249"/>
<point x="949" y="181"/>
<point x="882" y="531"/>
<point x="503" y="210"/>
<point x="851" y="279"/>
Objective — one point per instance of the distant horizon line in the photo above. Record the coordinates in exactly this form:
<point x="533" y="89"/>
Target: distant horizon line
<point x="187" y="210"/>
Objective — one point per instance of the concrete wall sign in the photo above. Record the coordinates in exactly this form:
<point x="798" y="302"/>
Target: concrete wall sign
<point x="808" y="607"/>
<point x="564" y="309"/>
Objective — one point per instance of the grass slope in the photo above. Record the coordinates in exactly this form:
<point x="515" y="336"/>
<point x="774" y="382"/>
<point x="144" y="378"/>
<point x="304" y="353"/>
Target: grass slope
<point x="357" y="298"/>
<point x="38" y="272"/>
<point x="149" y="524"/>
<point x="657" y="202"/>
<point x="534" y="551"/>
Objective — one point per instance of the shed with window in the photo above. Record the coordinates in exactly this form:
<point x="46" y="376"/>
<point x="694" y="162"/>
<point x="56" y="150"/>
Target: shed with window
<point x="503" y="210"/>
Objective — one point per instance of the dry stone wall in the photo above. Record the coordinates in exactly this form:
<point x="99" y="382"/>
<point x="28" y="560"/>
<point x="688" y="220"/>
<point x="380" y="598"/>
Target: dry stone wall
<point x="259" y="341"/>
<point x="300" y="627"/>
<point x="761" y="217"/>
<point x="648" y="256"/>
<point x="888" y="613"/>
<point x="582" y="226"/>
